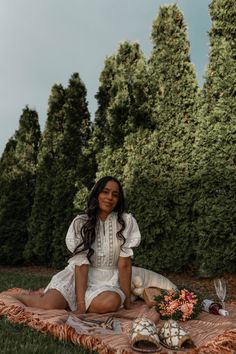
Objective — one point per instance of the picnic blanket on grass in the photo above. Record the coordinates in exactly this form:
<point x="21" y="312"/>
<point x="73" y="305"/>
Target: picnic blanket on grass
<point x="211" y="334"/>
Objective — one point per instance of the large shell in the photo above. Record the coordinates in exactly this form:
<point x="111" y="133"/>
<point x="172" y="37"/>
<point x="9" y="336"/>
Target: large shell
<point x="144" y="333"/>
<point x="174" y="337"/>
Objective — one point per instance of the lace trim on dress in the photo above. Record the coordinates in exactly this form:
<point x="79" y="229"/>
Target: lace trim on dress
<point x="110" y="233"/>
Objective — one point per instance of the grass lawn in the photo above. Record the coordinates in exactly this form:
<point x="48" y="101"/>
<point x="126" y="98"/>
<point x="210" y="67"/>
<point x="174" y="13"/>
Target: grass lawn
<point x="23" y="340"/>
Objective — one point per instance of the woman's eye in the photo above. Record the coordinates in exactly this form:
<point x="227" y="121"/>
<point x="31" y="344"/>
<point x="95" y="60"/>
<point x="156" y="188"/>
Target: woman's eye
<point x="115" y="195"/>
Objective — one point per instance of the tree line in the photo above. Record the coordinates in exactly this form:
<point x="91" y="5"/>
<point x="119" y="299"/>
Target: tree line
<point x="170" y="142"/>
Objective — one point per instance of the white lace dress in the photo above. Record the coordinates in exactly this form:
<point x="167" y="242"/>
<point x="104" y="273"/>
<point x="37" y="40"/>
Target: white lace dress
<point x="103" y="272"/>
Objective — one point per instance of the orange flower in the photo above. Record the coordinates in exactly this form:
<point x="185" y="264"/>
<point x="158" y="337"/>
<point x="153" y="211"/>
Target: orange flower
<point x="173" y="305"/>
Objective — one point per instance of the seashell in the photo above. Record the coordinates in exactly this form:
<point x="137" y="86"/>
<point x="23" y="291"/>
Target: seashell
<point x="144" y="336"/>
<point x="173" y="336"/>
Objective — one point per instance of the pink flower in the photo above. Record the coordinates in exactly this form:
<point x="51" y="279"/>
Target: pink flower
<point x="187" y="309"/>
<point x="173" y="305"/>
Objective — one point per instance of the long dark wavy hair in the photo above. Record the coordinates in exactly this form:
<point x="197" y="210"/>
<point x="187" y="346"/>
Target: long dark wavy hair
<point x="88" y="230"/>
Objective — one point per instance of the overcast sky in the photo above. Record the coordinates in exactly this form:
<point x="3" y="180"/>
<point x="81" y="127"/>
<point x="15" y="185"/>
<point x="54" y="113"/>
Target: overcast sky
<point x="44" y="42"/>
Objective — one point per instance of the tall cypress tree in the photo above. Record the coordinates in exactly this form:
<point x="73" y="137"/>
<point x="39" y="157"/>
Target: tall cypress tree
<point x="72" y="164"/>
<point x="38" y="249"/>
<point x="7" y="204"/>
<point x="17" y="181"/>
<point x="63" y="162"/>
<point x="161" y="174"/>
<point x="101" y="130"/>
<point x="123" y="100"/>
<point x="122" y="97"/>
<point x="174" y="94"/>
<point x="173" y="83"/>
<point x="214" y="153"/>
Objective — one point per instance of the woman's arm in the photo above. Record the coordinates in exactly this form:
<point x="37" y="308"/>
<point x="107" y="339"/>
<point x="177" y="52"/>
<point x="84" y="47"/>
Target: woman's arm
<point x="81" y="279"/>
<point x="125" y="274"/>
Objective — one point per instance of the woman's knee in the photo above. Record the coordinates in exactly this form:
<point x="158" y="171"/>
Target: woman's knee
<point x="105" y="302"/>
<point x="53" y="299"/>
<point x="112" y="304"/>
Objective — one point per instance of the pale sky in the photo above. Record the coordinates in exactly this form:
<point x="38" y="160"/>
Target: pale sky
<point x="44" y="42"/>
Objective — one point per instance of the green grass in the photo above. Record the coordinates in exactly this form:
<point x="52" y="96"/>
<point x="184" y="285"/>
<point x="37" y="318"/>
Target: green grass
<point x="20" y="339"/>
<point x="15" y="279"/>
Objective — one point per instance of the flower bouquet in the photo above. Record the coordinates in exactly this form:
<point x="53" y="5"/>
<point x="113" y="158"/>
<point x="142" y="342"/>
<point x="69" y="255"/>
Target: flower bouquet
<point x="179" y="305"/>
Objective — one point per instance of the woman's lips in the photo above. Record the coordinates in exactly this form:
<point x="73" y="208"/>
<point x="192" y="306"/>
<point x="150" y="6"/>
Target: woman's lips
<point x="107" y="204"/>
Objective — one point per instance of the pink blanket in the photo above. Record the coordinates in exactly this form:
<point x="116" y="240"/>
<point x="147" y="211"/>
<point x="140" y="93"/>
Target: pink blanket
<point x="211" y="334"/>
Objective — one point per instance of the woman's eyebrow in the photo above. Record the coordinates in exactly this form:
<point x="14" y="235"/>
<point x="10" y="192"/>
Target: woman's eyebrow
<point x="108" y="189"/>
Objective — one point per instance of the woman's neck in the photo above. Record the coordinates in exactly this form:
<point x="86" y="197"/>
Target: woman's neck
<point x="103" y="216"/>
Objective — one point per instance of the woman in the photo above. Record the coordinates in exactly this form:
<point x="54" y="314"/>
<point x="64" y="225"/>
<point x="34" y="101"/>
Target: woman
<point x="98" y="277"/>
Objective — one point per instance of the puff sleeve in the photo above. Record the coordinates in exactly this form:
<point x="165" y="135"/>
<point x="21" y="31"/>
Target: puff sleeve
<point x="73" y="239"/>
<point x="132" y="236"/>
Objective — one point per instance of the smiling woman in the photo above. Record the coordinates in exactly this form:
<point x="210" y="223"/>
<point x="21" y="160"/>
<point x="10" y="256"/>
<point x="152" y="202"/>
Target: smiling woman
<point x="98" y="277"/>
<point x="108" y="199"/>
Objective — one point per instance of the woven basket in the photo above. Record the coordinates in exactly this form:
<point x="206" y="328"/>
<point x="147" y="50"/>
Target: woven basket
<point x="149" y="294"/>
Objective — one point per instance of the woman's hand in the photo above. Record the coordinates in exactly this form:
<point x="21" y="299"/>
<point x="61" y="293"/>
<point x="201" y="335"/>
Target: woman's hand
<point x="125" y="272"/>
<point x="80" y="309"/>
<point x="81" y="277"/>
<point x="127" y="303"/>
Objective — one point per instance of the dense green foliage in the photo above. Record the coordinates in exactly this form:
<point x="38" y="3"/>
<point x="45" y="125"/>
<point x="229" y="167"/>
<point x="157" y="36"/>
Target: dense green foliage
<point x="154" y="166"/>
<point x="17" y="185"/>
<point x="61" y="163"/>
<point x="215" y="149"/>
<point x="39" y="246"/>
<point x="122" y="97"/>
<point x="174" y="93"/>
<point x="171" y="144"/>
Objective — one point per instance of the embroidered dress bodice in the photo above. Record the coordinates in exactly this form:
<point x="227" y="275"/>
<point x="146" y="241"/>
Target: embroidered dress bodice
<point x="105" y="255"/>
<point x="107" y="246"/>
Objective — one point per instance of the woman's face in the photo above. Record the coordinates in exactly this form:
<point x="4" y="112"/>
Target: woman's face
<point x="108" y="198"/>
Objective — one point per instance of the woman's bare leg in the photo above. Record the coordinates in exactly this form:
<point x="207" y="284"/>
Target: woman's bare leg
<point x="107" y="301"/>
<point x="52" y="299"/>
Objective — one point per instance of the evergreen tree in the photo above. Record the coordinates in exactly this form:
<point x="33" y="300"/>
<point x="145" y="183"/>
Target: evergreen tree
<point x="17" y="183"/>
<point x="173" y="83"/>
<point x="214" y="150"/>
<point x="72" y="164"/>
<point x="63" y="164"/>
<point x="156" y="166"/>
<point x="174" y="97"/>
<point x="122" y="97"/>
<point x="123" y="106"/>
<point x="150" y="198"/>
<point x="7" y="204"/>
<point x="101" y="129"/>
<point x="38" y="249"/>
